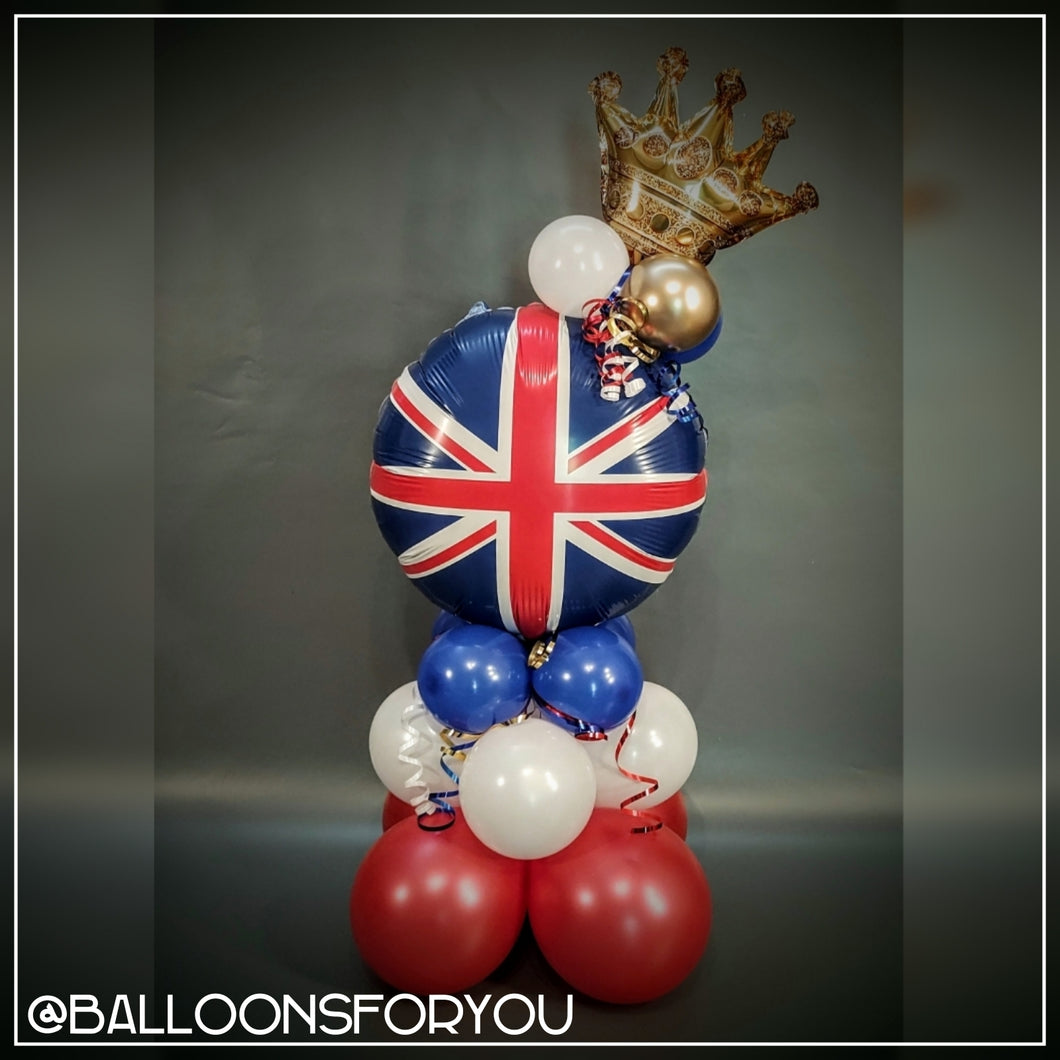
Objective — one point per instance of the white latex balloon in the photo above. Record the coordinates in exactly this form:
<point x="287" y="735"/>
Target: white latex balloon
<point x="527" y="790"/>
<point x="662" y="745"/>
<point x="404" y="743"/>
<point x="575" y="259"/>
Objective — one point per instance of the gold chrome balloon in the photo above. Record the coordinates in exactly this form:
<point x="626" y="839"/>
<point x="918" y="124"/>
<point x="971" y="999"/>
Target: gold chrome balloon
<point x="672" y="301"/>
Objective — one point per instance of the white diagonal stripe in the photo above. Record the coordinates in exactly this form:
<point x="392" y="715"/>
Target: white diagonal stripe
<point x="453" y="428"/>
<point x="580" y="539"/>
<point x="445" y="538"/>
<point x="639" y="437"/>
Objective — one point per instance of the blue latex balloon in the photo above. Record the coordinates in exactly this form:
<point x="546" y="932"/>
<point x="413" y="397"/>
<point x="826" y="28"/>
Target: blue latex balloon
<point x="623" y="627"/>
<point x="472" y="677"/>
<point x="695" y="352"/>
<point x="593" y="675"/>
<point x="445" y="622"/>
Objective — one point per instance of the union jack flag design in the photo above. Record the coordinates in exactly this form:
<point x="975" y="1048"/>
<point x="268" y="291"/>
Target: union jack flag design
<point x="513" y="495"/>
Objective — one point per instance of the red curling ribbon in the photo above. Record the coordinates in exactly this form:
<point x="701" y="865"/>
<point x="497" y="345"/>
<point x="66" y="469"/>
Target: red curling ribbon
<point x="655" y="820"/>
<point x="594" y="327"/>
<point x="597" y="310"/>
<point x="582" y="729"/>
<point x="615" y="370"/>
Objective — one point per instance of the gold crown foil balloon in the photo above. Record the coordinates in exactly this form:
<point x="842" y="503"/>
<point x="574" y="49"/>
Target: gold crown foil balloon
<point x="679" y="187"/>
<point x="676" y="193"/>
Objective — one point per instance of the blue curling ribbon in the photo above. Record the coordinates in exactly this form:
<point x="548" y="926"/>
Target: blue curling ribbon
<point x="450" y="774"/>
<point x="449" y="753"/>
<point x="441" y="798"/>
<point x="438" y="799"/>
<point x="619" y="285"/>
<point x="667" y="378"/>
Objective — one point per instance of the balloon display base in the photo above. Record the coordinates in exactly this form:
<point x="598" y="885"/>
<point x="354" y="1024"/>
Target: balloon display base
<point x="620" y="915"/>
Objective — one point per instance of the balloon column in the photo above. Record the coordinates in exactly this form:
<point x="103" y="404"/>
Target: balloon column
<point x="537" y="471"/>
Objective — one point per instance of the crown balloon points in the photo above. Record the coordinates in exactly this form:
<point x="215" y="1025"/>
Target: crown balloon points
<point x="680" y="188"/>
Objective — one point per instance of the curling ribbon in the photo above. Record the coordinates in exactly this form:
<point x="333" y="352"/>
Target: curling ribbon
<point x="615" y="371"/>
<point x="594" y="328"/>
<point x="413" y="737"/>
<point x="653" y="785"/>
<point x="540" y="652"/>
<point x="597" y="310"/>
<point x="624" y="351"/>
<point x="583" y="730"/>
<point x="440" y="799"/>
<point x="621" y="357"/>
<point x="458" y="751"/>
<point x="667" y="379"/>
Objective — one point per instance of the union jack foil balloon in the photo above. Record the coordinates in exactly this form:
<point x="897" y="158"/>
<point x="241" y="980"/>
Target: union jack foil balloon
<point x="514" y="495"/>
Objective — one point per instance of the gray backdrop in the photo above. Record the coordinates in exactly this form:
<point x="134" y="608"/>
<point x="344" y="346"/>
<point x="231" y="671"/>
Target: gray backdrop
<point x="330" y="195"/>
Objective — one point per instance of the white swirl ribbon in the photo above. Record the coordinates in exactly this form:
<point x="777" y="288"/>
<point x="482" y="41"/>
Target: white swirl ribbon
<point x="414" y="744"/>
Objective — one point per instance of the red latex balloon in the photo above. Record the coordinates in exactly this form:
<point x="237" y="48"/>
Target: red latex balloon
<point x="621" y="917"/>
<point x="435" y="911"/>
<point x="394" y="810"/>
<point x="673" y="812"/>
